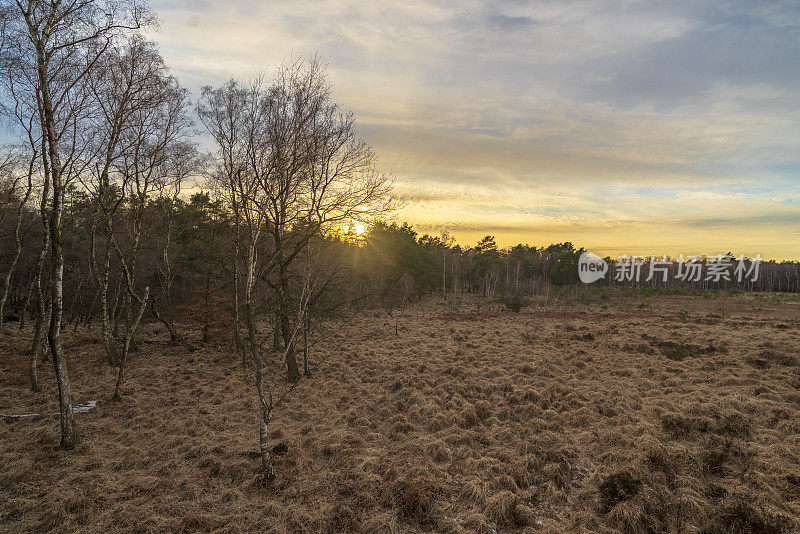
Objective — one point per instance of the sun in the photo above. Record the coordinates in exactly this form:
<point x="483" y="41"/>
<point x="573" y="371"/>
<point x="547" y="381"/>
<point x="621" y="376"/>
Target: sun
<point x="359" y="228"/>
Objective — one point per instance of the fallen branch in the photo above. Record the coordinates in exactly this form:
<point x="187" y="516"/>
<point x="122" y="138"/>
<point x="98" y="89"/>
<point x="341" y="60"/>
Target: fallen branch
<point x="78" y="408"/>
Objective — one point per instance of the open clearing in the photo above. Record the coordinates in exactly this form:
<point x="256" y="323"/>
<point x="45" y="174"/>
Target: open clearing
<point x="643" y="415"/>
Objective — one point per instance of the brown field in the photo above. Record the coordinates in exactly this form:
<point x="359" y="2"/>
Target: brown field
<point x="654" y="414"/>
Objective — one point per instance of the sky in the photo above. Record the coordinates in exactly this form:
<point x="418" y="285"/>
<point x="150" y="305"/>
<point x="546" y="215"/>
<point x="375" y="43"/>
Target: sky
<point x="629" y="127"/>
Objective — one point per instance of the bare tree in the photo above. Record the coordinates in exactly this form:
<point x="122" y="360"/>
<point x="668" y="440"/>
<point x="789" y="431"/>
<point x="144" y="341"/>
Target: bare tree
<point x="61" y="42"/>
<point x="230" y="115"/>
<point x="22" y="86"/>
<point x="293" y="169"/>
<point x="315" y="173"/>
<point x="129" y="80"/>
<point x="184" y="161"/>
<point x="153" y="162"/>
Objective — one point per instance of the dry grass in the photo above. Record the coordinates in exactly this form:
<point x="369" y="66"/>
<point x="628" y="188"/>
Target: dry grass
<point x="664" y="418"/>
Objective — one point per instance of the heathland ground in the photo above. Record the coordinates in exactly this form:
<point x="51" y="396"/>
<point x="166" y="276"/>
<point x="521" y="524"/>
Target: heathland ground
<point x="601" y="412"/>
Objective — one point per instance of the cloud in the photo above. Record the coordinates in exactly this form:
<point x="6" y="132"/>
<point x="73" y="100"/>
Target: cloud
<point x="635" y="113"/>
<point x="507" y="23"/>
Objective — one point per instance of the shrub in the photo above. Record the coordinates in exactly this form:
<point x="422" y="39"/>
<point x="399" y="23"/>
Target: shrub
<point x="514" y="302"/>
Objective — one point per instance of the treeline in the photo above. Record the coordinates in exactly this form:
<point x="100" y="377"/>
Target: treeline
<point x="185" y="255"/>
<point x="436" y="265"/>
<point x="184" y="250"/>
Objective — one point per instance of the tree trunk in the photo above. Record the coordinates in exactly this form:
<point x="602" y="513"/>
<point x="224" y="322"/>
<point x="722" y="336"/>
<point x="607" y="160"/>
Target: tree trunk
<point x="69" y="432"/>
<point x="127" y="344"/>
<point x="264" y="418"/>
<point x="43" y="315"/>
<point x="88" y="318"/>
<point x="283" y="303"/>
<point x="292" y="371"/>
<point x="25" y="306"/>
<point x="306" y="328"/>
<point x="108" y="335"/>
<point x="237" y="337"/>
<point x="38" y="340"/>
<point x="263" y="407"/>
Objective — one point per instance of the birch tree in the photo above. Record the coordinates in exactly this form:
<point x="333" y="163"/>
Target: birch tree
<point x="293" y="169"/>
<point x="315" y="173"/>
<point x="152" y="164"/>
<point x="58" y="43"/>
<point x="130" y="81"/>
